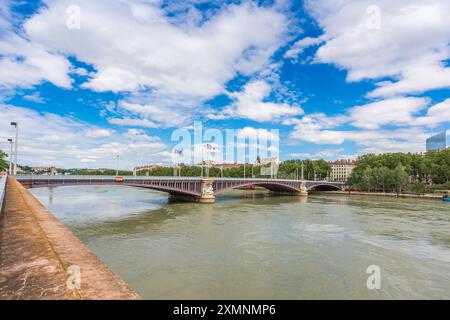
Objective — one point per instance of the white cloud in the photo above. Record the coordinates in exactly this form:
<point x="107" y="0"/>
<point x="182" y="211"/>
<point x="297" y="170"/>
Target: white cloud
<point x="411" y="44"/>
<point x="314" y="128"/>
<point x="134" y="46"/>
<point x="133" y="122"/>
<point x="160" y="116"/>
<point x="98" y="133"/>
<point x="257" y="133"/>
<point x="299" y="46"/>
<point x="249" y="103"/>
<point x="139" y="134"/>
<point x="404" y="115"/>
<point x="367" y="141"/>
<point x="437" y="114"/>
<point x="49" y="139"/>
<point x="25" y="63"/>
<point x="396" y="111"/>
<point x="34" y="97"/>
<point x="328" y="154"/>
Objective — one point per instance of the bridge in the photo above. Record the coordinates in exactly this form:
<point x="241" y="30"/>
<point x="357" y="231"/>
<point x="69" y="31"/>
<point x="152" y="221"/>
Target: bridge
<point x="194" y="189"/>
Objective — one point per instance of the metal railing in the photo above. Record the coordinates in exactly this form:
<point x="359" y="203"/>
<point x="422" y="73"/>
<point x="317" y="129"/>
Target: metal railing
<point x="131" y="178"/>
<point x="2" y="190"/>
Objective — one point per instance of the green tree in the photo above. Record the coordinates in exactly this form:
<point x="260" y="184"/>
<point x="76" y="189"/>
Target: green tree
<point x="401" y="178"/>
<point x="3" y="163"/>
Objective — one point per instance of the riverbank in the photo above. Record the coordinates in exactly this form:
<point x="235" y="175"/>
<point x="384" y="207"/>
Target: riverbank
<point x="428" y="196"/>
<point x="41" y="259"/>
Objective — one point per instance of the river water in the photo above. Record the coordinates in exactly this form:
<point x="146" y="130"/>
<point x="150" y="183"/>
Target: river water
<point x="253" y="245"/>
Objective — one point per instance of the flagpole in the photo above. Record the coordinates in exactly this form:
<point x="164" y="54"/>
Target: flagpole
<point x="202" y="161"/>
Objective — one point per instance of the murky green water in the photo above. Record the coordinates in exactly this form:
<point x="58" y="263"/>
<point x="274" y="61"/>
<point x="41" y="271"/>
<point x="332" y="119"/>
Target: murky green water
<point x="250" y="245"/>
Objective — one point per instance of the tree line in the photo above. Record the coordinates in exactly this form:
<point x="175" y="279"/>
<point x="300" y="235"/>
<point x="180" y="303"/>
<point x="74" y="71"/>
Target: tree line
<point x="400" y="172"/>
<point x="289" y="169"/>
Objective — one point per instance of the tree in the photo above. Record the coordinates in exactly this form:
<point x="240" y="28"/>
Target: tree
<point x="396" y="172"/>
<point x="401" y="178"/>
<point x="3" y="163"/>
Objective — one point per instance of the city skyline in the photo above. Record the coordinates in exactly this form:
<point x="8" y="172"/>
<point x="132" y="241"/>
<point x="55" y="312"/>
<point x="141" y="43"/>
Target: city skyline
<point x="337" y="79"/>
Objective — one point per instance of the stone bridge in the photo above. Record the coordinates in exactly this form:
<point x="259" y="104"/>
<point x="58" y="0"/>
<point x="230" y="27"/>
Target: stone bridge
<point x="196" y="189"/>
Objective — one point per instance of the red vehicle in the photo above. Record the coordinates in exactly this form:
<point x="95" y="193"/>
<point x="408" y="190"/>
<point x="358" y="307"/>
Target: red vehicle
<point x="119" y="179"/>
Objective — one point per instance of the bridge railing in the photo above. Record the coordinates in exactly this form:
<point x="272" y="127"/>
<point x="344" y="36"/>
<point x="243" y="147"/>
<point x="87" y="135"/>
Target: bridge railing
<point x="97" y="177"/>
<point x="131" y="178"/>
<point x="2" y="190"/>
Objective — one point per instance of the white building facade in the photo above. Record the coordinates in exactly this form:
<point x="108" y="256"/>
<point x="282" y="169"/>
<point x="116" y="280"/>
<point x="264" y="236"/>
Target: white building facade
<point x="341" y="170"/>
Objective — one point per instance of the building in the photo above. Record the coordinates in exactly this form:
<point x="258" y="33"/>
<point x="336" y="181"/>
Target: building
<point x="439" y="141"/>
<point x="269" y="166"/>
<point x="44" y="170"/>
<point x="146" y="168"/>
<point x="40" y="170"/>
<point x="341" y="170"/>
<point x="226" y="165"/>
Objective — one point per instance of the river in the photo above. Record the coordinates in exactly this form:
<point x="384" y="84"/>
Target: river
<point x="253" y="245"/>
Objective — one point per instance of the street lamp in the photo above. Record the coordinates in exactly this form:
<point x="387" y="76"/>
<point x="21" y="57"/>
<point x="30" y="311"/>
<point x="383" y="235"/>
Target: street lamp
<point x="117" y="167"/>
<point x="15" y="124"/>
<point x="10" y="140"/>
<point x="302" y="169"/>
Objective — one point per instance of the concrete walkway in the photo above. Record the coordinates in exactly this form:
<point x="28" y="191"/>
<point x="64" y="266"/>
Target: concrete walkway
<point x="39" y="257"/>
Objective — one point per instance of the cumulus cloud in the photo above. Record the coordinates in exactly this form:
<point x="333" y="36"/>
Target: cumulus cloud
<point x="436" y="115"/>
<point x="50" y="139"/>
<point x="396" y="111"/>
<point x="329" y="154"/>
<point x="299" y="46"/>
<point x="151" y="115"/>
<point x="147" y="52"/>
<point x="133" y="122"/>
<point x="408" y="42"/>
<point x="34" y="97"/>
<point x="406" y="118"/>
<point x="98" y="133"/>
<point x="250" y="104"/>
<point x="258" y="133"/>
<point x="25" y="63"/>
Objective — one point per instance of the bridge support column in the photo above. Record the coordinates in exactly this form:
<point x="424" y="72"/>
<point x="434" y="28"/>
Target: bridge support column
<point x="207" y="191"/>
<point x="303" y="191"/>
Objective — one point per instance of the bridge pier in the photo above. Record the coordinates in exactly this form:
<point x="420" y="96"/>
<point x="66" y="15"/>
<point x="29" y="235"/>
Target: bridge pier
<point x="207" y="193"/>
<point x="303" y="190"/>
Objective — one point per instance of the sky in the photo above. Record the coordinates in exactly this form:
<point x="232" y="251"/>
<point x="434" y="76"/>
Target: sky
<point x="87" y="80"/>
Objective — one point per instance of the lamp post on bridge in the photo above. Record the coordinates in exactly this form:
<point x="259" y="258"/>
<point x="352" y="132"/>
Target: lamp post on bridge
<point x="10" y="140"/>
<point x="117" y="166"/>
<point x="302" y="169"/>
<point x="16" y="125"/>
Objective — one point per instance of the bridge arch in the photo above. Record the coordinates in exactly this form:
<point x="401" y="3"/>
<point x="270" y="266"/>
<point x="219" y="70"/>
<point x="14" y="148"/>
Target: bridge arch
<point x="176" y="188"/>
<point x="323" y="187"/>
<point x="269" y="185"/>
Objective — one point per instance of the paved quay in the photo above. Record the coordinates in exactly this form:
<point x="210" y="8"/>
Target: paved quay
<point x="427" y="196"/>
<point x="40" y="257"/>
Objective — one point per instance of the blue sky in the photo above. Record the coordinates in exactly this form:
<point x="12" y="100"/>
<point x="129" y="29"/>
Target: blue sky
<point x="90" y="79"/>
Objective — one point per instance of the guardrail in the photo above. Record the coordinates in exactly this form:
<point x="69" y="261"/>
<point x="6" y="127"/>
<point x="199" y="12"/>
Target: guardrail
<point x="131" y="178"/>
<point x="2" y="190"/>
